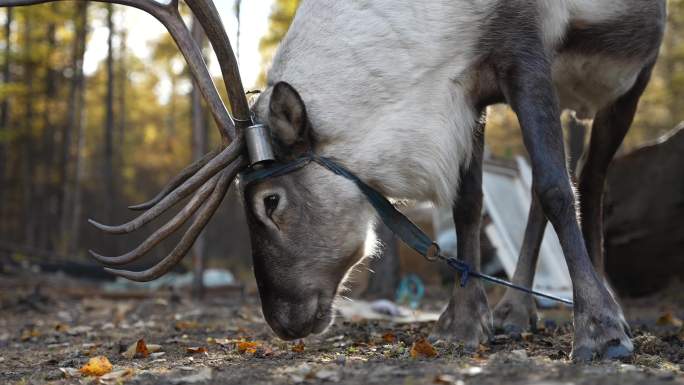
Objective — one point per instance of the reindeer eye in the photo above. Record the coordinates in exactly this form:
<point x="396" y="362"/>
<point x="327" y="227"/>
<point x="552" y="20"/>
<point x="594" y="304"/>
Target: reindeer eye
<point x="271" y="204"/>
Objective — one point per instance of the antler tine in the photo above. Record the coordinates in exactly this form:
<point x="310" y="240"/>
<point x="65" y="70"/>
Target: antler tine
<point x="169" y="16"/>
<point x="206" y="212"/>
<point x="163" y="232"/>
<point x="177" y="181"/>
<point x="219" y="162"/>
<point x="208" y="17"/>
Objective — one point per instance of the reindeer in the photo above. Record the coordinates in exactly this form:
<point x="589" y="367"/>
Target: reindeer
<point x="396" y="92"/>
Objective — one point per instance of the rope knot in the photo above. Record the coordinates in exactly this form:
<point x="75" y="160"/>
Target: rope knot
<point x="462" y="267"/>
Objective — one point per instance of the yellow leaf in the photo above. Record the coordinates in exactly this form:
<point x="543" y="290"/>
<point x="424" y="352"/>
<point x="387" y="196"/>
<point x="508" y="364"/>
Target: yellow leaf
<point x="97" y="366"/>
<point x="422" y="348"/>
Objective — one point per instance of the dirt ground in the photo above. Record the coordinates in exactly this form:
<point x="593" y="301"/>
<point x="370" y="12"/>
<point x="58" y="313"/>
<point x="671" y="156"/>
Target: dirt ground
<point x="48" y="334"/>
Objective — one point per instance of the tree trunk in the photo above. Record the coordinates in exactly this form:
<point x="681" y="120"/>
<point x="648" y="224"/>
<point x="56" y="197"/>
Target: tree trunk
<point x="108" y="172"/>
<point x="121" y="97"/>
<point x="199" y="148"/>
<point x="238" y="7"/>
<point x="43" y="208"/>
<point x="4" y="118"/>
<point x="28" y="166"/>
<point x="69" y="154"/>
<point x="75" y="233"/>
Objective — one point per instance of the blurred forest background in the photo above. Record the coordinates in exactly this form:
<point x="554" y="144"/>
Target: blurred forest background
<point x="75" y="146"/>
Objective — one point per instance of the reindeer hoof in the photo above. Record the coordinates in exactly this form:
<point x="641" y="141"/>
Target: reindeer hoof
<point x="515" y="314"/>
<point x="601" y="333"/>
<point x="467" y="320"/>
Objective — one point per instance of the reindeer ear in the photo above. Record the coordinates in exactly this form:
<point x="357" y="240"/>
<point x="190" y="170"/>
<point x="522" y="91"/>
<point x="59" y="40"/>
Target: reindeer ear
<point x="287" y="118"/>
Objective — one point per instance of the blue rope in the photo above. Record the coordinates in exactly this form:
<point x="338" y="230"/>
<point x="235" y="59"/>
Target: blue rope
<point x="400" y="225"/>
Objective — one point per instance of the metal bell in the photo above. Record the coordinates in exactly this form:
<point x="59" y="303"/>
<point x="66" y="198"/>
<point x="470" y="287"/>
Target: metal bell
<point x="259" y="146"/>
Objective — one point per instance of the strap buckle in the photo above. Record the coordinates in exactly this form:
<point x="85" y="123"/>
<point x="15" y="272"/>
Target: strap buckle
<point x="432" y="252"/>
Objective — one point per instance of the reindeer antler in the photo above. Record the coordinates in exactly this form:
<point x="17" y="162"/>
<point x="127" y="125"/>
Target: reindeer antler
<point x="209" y="177"/>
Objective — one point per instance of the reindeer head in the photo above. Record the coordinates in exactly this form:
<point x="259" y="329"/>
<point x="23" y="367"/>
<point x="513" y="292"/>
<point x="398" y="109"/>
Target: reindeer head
<point x="308" y="227"/>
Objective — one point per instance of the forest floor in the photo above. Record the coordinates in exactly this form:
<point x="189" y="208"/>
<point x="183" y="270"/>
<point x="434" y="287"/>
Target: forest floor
<point x="47" y="335"/>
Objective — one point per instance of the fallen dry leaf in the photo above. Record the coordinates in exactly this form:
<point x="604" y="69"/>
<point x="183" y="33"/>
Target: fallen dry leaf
<point x="423" y="348"/>
<point x="27" y="334"/>
<point x="138" y="349"/>
<point x="117" y="376"/>
<point x="298" y="347"/>
<point x="97" y="366"/>
<point x="186" y="325"/>
<point x="246" y="347"/>
<point x="196" y="350"/>
<point x="446" y="379"/>
<point x="389" y="338"/>
<point x="224" y="342"/>
<point x="62" y="328"/>
<point x="70" y="372"/>
<point x="669" y="319"/>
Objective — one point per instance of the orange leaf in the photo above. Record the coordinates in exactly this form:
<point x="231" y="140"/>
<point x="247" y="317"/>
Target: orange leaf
<point x="196" y="350"/>
<point x="97" y="366"/>
<point x="141" y="349"/>
<point x="422" y="348"/>
<point x="298" y="347"/>
<point x="669" y="319"/>
<point x="29" y="333"/>
<point x="62" y="328"/>
<point x="389" y="337"/>
<point x="137" y="350"/>
<point x="247" y="347"/>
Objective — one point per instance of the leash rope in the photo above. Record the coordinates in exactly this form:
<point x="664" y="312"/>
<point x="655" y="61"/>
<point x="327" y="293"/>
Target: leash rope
<point x="396" y="221"/>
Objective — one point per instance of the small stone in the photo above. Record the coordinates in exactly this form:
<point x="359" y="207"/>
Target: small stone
<point x="203" y="375"/>
<point x="54" y="375"/>
<point x="473" y="371"/>
<point x="519" y="355"/>
<point x="83" y="329"/>
<point x="550" y="325"/>
<point x="328" y="375"/>
<point x="341" y="359"/>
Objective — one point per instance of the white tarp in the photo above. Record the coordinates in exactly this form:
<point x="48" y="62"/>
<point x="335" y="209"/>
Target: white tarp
<point x="507" y="202"/>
